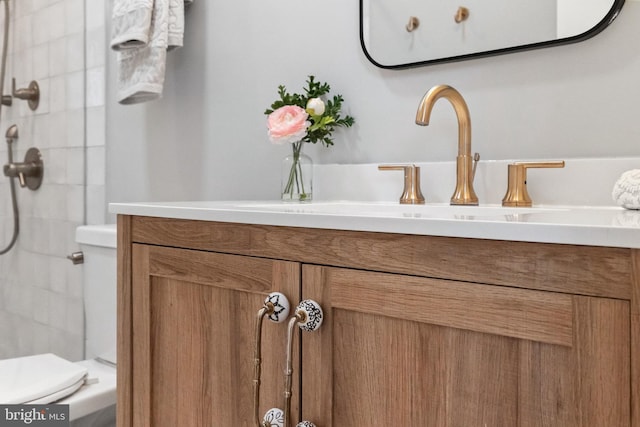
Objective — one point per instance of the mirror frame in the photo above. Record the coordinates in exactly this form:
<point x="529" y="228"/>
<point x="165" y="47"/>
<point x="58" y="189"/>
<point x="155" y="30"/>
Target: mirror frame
<point x="605" y="22"/>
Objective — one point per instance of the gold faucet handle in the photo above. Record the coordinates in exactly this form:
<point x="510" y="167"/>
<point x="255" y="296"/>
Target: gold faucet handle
<point x="411" y="195"/>
<point x="517" y="194"/>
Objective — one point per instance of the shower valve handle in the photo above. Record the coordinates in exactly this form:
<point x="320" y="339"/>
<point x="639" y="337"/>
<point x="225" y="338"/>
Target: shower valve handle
<point x="31" y="94"/>
<point x="29" y="172"/>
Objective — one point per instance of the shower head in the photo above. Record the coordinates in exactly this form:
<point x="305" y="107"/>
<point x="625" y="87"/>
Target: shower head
<point x="12" y="133"/>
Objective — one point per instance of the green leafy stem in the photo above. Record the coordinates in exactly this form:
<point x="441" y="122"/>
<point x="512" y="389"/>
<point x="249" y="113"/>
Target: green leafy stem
<point x="295" y="180"/>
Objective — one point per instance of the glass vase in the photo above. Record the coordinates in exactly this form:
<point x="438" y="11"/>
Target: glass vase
<point x="297" y="175"/>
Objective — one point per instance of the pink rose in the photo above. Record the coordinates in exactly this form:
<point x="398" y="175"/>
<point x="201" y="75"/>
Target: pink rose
<point x="287" y="124"/>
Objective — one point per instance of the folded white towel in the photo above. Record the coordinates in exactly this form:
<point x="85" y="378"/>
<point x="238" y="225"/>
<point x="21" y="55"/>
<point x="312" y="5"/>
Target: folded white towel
<point x="131" y="23"/>
<point x="143" y="31"/>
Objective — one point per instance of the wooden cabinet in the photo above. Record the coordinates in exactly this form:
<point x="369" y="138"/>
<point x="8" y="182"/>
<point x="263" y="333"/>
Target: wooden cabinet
<point x="411" y="351"/>
<point x="192" y="336"/>
<point x="418" y="330"/>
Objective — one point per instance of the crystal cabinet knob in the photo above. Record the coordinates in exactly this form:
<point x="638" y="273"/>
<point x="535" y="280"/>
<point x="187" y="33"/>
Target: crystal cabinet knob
<point x="273" y="418"/>
<point x="305" y="424"/>
<point x="310" y="315"/>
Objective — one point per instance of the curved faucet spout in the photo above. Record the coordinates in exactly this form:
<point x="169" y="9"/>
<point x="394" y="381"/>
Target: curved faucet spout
<point x="464" y="193"/>
<point x="460" y="107"/>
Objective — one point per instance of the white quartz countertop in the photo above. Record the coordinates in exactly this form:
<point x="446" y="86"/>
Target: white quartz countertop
<point x="594" y="226"/>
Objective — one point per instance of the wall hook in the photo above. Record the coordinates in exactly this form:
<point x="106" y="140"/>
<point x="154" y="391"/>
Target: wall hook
<point x="461" y="15"/>
<point x="413" y="24"/>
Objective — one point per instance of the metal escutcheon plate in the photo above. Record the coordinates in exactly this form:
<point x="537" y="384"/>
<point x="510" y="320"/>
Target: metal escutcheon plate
<point x="34" y="156"/>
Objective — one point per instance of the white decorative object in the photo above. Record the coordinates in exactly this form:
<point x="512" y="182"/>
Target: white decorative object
<point x="274" y="417"/>
<point x="626" y="191"/>
<point x="313" y="315"/>
<point x="281" y="306"/>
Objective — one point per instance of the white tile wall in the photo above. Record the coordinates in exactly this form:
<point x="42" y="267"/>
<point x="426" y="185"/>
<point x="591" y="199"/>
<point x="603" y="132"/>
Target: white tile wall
<point x="61" y="44"/>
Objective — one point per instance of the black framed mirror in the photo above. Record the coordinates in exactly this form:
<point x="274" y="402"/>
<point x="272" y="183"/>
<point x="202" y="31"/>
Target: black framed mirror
<point x="399" y="34"/>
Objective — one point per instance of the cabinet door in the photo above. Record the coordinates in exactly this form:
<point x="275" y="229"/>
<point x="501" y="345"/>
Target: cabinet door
<point x="407" y="351"/>
<point x="193" y="319"/>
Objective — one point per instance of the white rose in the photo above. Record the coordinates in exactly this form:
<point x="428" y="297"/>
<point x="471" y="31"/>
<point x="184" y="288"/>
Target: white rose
<point x="315" y="107"/>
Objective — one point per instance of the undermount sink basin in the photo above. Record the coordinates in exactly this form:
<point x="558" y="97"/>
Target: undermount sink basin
<point x="393" y="209"/>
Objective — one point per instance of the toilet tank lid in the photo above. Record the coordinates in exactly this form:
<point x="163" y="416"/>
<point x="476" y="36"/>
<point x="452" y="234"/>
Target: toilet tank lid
<point x="103" y="235"/>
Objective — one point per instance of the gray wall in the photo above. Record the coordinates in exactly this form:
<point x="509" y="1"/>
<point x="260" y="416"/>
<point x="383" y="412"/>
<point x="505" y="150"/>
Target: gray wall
<point x="206" y="139"/>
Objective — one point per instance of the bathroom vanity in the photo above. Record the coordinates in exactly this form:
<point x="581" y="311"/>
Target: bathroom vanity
<point x="428" y="321"/>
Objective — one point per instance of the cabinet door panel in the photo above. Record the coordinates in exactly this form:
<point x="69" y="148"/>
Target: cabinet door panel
<point x="194" y="316"/>
<point x="401" y="350"/>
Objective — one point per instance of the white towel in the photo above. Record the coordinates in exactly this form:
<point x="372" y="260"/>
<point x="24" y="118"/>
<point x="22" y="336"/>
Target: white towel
<point x="143" y="32"/>
<point x="130" y="22"/>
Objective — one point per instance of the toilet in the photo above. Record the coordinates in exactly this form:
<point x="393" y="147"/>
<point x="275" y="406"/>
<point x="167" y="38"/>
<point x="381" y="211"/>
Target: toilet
<point x="91" y="382"/>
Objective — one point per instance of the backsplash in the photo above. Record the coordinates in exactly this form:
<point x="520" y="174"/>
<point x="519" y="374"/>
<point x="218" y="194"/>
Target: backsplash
<point x="40" y="290"/>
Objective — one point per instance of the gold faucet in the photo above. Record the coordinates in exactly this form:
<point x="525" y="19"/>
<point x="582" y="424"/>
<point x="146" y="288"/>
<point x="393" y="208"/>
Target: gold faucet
<point x="464" y="193"/>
